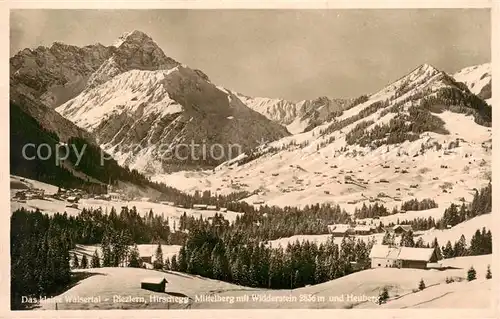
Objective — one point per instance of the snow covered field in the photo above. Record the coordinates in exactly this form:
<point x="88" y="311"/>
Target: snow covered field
<point x="31" y="183"/>
<point x="467" y="228"/>
<point x="111" y="283"/>
<point x="144" y="250"/>
<point x="307" y="176"/>
<point x="52" y="206"/>
<point x="319" y="239"/>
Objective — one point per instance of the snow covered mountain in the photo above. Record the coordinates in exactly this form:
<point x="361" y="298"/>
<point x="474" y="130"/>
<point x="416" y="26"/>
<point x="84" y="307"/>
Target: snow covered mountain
<point x="478" y="80"/>
<point x="423" y="136"/>
<point x="139" y="116"/>
<point x="296" y="116"/>
<point x="132" y="51"/>
<point x="52" y="75"/>
<point x="142" y="106"/>
<point x="56" y="74"/>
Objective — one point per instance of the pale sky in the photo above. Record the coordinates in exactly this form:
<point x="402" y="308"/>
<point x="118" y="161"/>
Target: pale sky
<point x="292" y="54"/>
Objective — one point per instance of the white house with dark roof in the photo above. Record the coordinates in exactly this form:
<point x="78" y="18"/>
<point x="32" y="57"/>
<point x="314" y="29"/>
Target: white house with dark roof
<point x="364" y="229"/>
<point x="401" y="257"/>
<point x="399" y="229"/>
<point x="340" y="230"/>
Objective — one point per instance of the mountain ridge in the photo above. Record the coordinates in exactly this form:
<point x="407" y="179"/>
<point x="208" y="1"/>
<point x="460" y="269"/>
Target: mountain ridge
<point x="477" y="78"/>
<point x="138" y="80"/>
<point x="296" y="116"/>
<point x="396" y="142"/>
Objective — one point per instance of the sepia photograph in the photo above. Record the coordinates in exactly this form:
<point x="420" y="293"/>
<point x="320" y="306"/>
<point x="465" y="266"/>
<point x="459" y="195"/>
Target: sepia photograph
<point x="250" y="159"/>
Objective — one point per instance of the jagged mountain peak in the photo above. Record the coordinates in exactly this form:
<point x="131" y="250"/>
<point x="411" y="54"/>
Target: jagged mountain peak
<point x="423" y="71"/>
<point x="58" y="44"/>
<point x="134" y="36"/>
<point x="132" y="51"/>
<point x="424" y="75"/>
<point x="55" y="74"/>
<point x="296" y="116"/>
<point x="425" y="67"/>
<point x="158" y="108"/>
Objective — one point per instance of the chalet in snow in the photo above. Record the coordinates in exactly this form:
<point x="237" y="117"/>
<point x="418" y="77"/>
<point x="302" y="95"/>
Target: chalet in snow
<point x="157" y="284"/>
<point x="402" y="257"/>
<point x="341" y="230"/>
<point x="399" y="229"/>
<point x="146" y="259"/>
<point x="364" y="229"/>
<point x="208" y="207"/>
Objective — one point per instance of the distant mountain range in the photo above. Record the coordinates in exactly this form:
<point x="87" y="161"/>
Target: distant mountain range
<point x="135" y="102"/>
<point x="296" y="116"/>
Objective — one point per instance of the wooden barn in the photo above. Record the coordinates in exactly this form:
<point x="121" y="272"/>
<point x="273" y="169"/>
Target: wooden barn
<point x="410" y="257"/>
<point x="200" y="206"/>
<point x="399" y="229"/>
<point x="146" y="259"/>
<point x="364" y="229"/>
<point x="157" y="284"/>
<point x="340" y="230"/>
<point x="402" y="257"/>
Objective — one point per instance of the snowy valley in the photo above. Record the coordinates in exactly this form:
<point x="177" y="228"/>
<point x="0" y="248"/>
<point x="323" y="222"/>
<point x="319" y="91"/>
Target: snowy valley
<point x="293" y="216"/>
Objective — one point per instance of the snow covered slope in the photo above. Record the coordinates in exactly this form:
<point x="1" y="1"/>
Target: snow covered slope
<point x="109" y="282"/>
<point x="132" y="51"/>
<point x="129" y="93"/>
<point x="478" y="80"/>
<point x="467" y="228"/>
<point x="142" y="106"/>
<point x="55" y="74"/>
<point x="334" y="163"/>
<point x="52" y="206"/>
<point x="144" y="250"/>
<point x="143" y="118"/>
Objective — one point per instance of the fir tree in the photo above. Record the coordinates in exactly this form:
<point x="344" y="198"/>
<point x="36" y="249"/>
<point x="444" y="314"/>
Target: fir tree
<point x="134" y="260"/>
<point x="436" y="246"/>
<point x="420" y="243"/>
<point x="182" y="260"/>
<point x="107" y="257"/>
<point x="471" y="274"/>
<point x="421" y="284"/>
<point x="460" y="248"/>
<point x="448" y="250"/>
<point x="173" y="263"/>
<point x="388" y="239"/>
<point x="384" y="296"/>
<point x="95" y="261"/>
<point x="158" y="262"/>
<point x="75" y="261"/>
<point x="407" y="239"/>
<point x="167" y="266"/>
<point x="85" y="263"/>
<point x="488" y="273"/>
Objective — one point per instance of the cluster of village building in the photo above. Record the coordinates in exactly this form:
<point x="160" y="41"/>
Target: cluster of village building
<point x="380" y="255"/>
<point x="383" y="256"/>
<point x="367" y="227"/>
